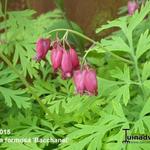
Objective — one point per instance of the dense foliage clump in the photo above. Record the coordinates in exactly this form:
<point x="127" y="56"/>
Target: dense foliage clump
<point x="36" y="102"/>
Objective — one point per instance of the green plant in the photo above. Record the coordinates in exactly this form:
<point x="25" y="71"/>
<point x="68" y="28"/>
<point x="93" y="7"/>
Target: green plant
<point x="35" y="103"/>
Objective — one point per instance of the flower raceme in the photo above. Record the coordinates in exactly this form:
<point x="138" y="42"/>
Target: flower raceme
<point x="66" y="61"/>
<point x="42" y="47"/>
<point x="85" y="81"/>
<point x="132" y="7"/>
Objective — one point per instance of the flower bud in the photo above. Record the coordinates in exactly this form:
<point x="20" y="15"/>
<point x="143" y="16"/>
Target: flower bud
<point x="90" y="82"/>
<point x="42" y="47"/>
<point x="74" y="58"/>
<point x="66" y="65"/>
<point x="56" y="57"/>
<point x="132" y="7"/>
<point x="78" y="78"/>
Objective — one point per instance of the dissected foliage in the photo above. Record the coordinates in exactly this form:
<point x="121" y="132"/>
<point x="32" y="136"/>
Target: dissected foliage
<point x="92" y="123"/>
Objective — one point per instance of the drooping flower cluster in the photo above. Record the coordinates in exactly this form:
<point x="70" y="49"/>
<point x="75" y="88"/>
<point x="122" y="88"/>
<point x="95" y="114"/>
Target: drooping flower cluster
<point x="85" y="81"/>
<point x="67" y="62"/>
<point x="132" y="7"/>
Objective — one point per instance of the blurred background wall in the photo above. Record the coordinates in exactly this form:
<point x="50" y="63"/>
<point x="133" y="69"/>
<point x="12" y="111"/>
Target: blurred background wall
<point x="88" y="14"/>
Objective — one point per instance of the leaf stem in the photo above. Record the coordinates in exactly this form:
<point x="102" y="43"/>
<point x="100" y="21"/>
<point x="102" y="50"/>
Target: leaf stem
<point x="45" y="109"/>
<point x="137" y="69"/>
<point x="135" y="62"/>
<point x="94" y="42"/>
<point x="74" y="32"/>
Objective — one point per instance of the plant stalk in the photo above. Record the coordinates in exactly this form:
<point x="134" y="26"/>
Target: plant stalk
<point x="135" y="62"/>
<point x="94" y="42"/>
